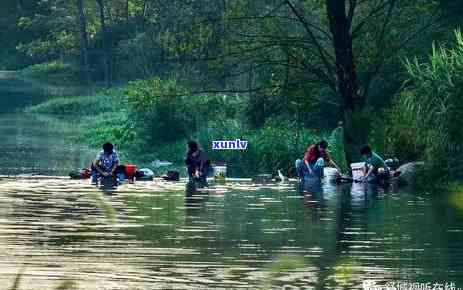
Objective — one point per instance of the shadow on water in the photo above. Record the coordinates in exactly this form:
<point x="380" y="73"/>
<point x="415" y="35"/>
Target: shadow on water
<point x="314" y="198"/>
<point x="195" y="200"/>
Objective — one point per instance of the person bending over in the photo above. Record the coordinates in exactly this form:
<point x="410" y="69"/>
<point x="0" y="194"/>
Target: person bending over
<point x="310" y="169"/>
<point x="105" y="163"/>
<point x="376" y="169"/>
<point x="198" y="164"/>
<point x="323" y="148"/>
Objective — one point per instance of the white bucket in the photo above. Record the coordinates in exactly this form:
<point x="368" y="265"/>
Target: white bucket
<point x="220" y="172"/>
<point x="357" y="170"/>
<point x="330" y="173"/>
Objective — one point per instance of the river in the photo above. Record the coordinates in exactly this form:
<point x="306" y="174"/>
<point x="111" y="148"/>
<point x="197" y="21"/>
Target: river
<point x="237" y="235"/>
<point x="32" y="144"/>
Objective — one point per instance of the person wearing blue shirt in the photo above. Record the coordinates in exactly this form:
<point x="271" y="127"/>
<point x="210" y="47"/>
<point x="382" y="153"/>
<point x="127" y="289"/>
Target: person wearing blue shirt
<point x="105" y="163"/>
<point x="310" y="169"/>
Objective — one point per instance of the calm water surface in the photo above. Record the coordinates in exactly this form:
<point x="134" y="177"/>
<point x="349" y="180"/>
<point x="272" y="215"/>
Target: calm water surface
<point x="232" y="236"/>
<point x="32" y="144"/>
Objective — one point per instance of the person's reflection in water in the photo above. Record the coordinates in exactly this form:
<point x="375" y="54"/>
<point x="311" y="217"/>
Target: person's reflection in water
<point x="194" y="201"/>
<point x="311" y="190"/>
<point x="313" y="197"/>
<point x="107" y="186"/>
<point x="363" y="194"/>
<point x="190" y="189"/>
<point x="353" y="204"/>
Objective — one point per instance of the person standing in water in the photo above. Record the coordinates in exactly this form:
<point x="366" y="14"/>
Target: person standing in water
<point x="310" y="169"/>
<point x="105" y="163"/>
<point x="198" y="164"/>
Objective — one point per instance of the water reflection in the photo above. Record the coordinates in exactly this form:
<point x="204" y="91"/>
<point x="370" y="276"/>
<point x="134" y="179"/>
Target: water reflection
<point x="15" y="94"/>
<point x="226" y="236"/>
<point x="38" y="145"/>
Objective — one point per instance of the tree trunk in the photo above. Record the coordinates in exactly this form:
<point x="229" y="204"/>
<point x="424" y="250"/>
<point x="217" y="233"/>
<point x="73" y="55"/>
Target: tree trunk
<point x="144" y="14"/>
<point x="84" y="64"/>
<point x="106" y="43"/>
<point x="127" y="12"/>
<point x="347" y="83"/>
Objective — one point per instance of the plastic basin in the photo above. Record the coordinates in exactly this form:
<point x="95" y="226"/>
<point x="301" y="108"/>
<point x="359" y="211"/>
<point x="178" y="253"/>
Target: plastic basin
<point x="130" y="170"/>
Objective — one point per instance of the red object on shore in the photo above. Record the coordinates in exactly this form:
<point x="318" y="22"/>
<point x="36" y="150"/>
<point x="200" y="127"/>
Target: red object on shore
<point x="130" y="171"/>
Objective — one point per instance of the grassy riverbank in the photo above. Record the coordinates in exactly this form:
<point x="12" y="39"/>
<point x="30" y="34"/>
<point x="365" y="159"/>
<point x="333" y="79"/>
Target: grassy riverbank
<point x="54" y="72"/>
<point x="113" y="115"/>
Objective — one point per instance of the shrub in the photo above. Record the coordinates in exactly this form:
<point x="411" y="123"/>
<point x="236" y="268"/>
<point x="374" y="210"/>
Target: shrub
<point x="153" y="119"/>
<point x="77" y="106"/>
<point x="426" y="119"/>
<point x="55" y="71"/>
<point x="112" y="126"/>
<point x="166" y="112"/>
<point x="275" y="146"/>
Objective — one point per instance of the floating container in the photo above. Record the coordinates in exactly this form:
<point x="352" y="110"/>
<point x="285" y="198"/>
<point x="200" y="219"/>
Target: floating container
<point x="357" y="170"/>
<point x="220" y="172"/>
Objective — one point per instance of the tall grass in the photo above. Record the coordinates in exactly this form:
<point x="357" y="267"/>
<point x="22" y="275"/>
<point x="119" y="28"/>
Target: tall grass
<point x="426" y="121"/>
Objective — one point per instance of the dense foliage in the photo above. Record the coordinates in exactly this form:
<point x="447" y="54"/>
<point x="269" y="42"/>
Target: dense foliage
<point x="150" y="126"/>
<point x="191" y="69"/>
<point x="426" y="119"/>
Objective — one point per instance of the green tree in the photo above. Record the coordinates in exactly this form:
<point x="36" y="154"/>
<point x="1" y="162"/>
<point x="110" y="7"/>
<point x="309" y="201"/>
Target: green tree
<point x="337" y="50"/>
<point x="85" y="68"/>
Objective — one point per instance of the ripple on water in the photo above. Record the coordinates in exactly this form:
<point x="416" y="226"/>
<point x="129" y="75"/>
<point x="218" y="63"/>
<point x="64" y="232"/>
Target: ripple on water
<point x="148" y="236"/>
